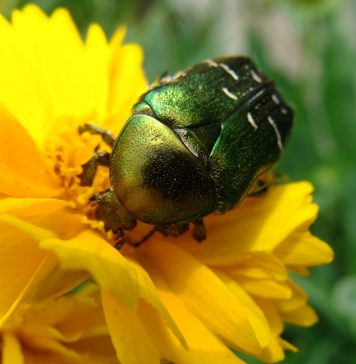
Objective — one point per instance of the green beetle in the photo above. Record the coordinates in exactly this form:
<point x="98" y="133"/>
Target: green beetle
<point x="195" y="144"/>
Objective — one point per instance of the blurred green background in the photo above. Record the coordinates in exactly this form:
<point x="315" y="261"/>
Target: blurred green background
<point x="309" y="48"/>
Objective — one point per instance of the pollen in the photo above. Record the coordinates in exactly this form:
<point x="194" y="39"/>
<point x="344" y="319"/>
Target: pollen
<point x="67" y="150"/>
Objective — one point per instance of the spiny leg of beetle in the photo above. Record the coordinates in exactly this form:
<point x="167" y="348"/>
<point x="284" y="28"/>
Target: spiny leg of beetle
<point x="120" y="239"/>
<point x="107" y="137"/>
<point x="263" y="183"/>
<point x="114" y="216"/>
<point x="91" y="166"/>
<point x="138" y="243"/>
<point x="99" y="158"/>
<point x="174" y="230"/>
<point x="199" y="230"/>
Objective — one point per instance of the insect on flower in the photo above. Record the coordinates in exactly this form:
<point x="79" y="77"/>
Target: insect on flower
<point x="195" y="144"/>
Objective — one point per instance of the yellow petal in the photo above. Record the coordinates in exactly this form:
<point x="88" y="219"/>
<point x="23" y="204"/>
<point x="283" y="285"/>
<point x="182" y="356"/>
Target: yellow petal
<point x="22" y="102"/>
<point x="31" y="206"/>
<point x="204" y="293"/>
<point x="304" y="316"/>
<point x="288" y="346"/>
<point x="19" y="177"/>
<point x="295" y="310"/>
<point x="43" y="214"/>
<point x="117" y="37"/>
<point x="254" y="314"/>
<point x="304" y="249"/>
<point x="258" y="224"/>
<point x="271" y="313"/>
<point x="273" y="353"/>
<point x="132" y="343"/>
<point x="11" y="350"/>
<point x="98" y="56"/>
<point x="66" y="329"/>
<point x="266" y="288"/>
<point x="302" y="271"/>
<point x="25" y="269"/>
<point x="21" y="264"/>
<point x="51" y="55"/>
<point x="203" y="345"/>
<point x="114" y="273"/>
<point x="45" y="338"/>
<point x="73" y="317"/>
<point x="125" y="70"/>
<point x="34" y="357"/>
<point x="299" y="298"/>
<point x="258" y="265"/>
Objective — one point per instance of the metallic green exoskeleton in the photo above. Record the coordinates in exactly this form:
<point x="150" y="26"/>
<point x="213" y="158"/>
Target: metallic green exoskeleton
<point x="195" y="144"/>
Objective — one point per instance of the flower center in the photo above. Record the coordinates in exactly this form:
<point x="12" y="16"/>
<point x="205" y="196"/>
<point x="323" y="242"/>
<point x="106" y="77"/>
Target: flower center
<point x="67" y="151"/>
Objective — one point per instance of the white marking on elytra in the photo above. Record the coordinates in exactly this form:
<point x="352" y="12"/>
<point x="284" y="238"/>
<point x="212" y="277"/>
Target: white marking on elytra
<point x="229" y="94"/>
<point x="255" y="76"/>
<point x="228" y="70"/>
<point x="284" y="111"/>
<point x="251" y="120"/>
<point x="278" y="135"/>
<point x="275" y="99"/>
<point x="179" y="74"/>
<point x="211" y="63"/>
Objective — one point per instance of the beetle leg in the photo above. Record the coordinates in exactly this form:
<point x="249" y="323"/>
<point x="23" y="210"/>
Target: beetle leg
<point x="136" y="244"/>
<point x="120" y="239"/>
<point x="173" y="229"/>
<point x="106" y="136"/>
<point x="259" y="188"/>
<point x="114" y="215"/>
<point x="199" y="230"/>
<point x="264" y="182"/>
<point x="91" y="166"/>
<point x="167" y="230"/>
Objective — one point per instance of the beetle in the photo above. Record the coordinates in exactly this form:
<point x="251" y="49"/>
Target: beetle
<point x="195" y="144"/>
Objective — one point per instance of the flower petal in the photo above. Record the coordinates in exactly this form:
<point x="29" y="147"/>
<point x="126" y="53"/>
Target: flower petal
<point x="254" y="314"/>
<point x="33" y="206"/>
<point x="256" y="225"/>
<point x="258" y="265"/>
<point x="114" y="273"/>
<point x="268" y="288"/>
<point x="202" y="345"/>
<point x="204" y="293"/>
<point x="18" y="176"/>
<point x="273" y="353"/>
<point x="21" y="264"/>
<point x="304" y="249"/>
<point x="132" y="343"/>
<point x="98" y="55"/>
<point x="43" y="213"/>
<point x="304" y="316"/>
<point x="269" y="308"/>
<point x="50" y="57"/>
<point x="45" y="338"/>
<point x="295" y="310"/>
<point x="125" y="69"/>
<point x="25" y="269"/>
<point x="11" y="350"/>
<point x="299" y="298"/>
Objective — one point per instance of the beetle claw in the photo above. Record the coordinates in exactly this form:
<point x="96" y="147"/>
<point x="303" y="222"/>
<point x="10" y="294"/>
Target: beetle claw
<point x="91" y="166"/>
<point x="105" y="135"/>
<point x="199" y="230"/>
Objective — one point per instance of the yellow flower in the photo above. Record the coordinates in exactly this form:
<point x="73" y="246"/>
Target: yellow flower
<point x="68" y="296"/>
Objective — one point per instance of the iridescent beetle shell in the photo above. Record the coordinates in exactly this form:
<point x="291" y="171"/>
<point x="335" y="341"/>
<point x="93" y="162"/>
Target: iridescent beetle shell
<point x="196" y="143"/>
